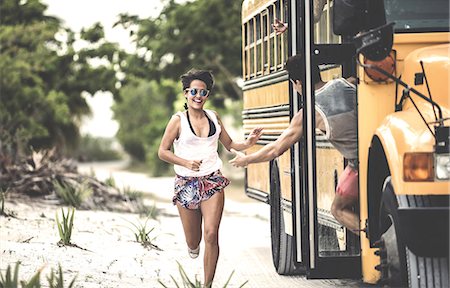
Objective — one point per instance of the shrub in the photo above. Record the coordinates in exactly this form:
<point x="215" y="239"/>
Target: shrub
<point x="110" y="181"/>
<point x="72" y="193"/>
<point x="96" y="149"/>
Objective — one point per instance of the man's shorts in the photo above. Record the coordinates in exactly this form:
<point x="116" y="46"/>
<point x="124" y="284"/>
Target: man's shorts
<point x="190" y="191"/>
<point x="348" y="183"/>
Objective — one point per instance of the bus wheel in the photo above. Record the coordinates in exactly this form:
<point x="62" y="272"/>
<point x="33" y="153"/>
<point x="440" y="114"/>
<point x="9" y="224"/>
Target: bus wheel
<point x="391" y="248"/>
<point x="427" y="271"/>
<point x="282" y="243"/>
<point x="399" y="266"/>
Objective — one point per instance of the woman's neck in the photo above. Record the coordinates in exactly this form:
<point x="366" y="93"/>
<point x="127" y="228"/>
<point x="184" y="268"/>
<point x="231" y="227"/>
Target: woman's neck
<point x="196" y="113"/>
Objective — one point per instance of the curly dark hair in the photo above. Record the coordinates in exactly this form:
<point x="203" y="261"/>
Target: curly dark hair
<point x="202" y="75"/>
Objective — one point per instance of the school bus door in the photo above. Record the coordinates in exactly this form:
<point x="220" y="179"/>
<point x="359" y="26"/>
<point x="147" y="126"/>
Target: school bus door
<point x="331" y="251"/>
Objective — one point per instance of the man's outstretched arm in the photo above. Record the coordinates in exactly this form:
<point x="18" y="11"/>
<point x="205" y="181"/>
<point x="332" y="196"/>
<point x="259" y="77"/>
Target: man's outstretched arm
<point x="289" y="137"/>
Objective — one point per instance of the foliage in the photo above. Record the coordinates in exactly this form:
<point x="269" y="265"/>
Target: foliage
<point x="143" y="113"/>
<point x="12" y="281"/>
<point x="95" y="149"/>
<point x="142" y="234"/>
<point x="72" y="193"/>
<point x="131" y="194"/>
<point x="205" y="34"/>
<point x="65" y="226"/>
<point x="110" y="181"/>
<point x="43" y="78"/>
<point x="57" y="281"/>
<point x="2" y="200"/>
<point x="188" y="283"/>
<point x="202" y="34"/>
<point x="153" y="212"/>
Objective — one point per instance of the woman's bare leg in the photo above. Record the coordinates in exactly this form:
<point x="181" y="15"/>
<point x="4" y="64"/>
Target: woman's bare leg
<point x="212" y="213"/>
<point x="192" y="225"/>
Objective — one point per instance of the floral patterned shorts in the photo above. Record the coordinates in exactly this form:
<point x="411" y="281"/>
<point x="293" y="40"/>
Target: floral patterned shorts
<point x="190" y="191"/>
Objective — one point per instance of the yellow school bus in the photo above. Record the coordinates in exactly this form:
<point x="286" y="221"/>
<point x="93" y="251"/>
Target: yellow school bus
<point x="402" y="72"/>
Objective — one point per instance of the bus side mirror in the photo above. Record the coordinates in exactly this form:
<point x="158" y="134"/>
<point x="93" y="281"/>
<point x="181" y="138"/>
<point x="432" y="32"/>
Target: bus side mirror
<point x="347" y="17"/>
<point x="353" y="16"/>
<point x="375" y="44"/>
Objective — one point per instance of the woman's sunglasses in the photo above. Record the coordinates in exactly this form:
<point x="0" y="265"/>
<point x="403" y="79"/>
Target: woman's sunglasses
<point x="201" y="92"/>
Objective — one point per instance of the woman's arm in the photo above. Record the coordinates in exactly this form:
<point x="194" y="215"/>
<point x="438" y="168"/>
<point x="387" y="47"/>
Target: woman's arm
<point x="229" y="144"/>
<point x="165" y="153"/>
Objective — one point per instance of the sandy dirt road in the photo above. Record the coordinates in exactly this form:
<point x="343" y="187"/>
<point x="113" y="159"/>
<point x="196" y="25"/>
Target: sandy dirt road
<point x="111" y="258"/>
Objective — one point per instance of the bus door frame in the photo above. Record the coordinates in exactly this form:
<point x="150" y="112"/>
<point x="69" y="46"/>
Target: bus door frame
<point x="315" y="54"/>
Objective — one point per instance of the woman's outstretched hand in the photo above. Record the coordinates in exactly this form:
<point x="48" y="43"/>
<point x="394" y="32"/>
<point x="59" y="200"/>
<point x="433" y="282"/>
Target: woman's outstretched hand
<point x="279" y="27"/>
<point x="239" y="160"/>
<point x="254" y="136"/>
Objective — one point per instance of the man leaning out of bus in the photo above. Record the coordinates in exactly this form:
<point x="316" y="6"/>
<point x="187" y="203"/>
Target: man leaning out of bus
<point x="335" y="103"/>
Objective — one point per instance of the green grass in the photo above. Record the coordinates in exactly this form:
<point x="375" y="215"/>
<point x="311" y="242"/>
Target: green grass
<point x="186" y="282"/>
<point x="72" y="193"/>
<point x="56" y="280"/>
<point x="11" y="279"/>
<point x="2" y="200"/>
<point x="65" y="226"/>
<point x="142" y="233"/>
<point x="110" y="181"/>
<point x="132" y="194"/>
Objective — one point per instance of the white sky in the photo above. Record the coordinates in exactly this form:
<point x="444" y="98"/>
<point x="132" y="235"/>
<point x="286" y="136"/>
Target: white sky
<point x="78" y="14"/>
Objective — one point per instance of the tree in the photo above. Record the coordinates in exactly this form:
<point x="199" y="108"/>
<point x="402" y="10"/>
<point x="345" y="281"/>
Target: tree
<point x="43" y="77"/>
<point x="143" y="114"/>
<point x="202" y="34"/>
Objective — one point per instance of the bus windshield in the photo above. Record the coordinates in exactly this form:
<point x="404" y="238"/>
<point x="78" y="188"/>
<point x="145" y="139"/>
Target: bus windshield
<point x="418" y="15"/>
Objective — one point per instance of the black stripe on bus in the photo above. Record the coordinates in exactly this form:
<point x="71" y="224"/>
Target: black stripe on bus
<point x="257" y="194"/>
<point x="275" y="111"/>
<point x="277" y="77"/>
<point x="266" y="80"/>
<point x="321" y="141"/>
<point x="266" y="139"/>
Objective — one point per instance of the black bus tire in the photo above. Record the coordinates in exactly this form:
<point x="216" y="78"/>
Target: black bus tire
<point x="392" y="250"/>
<point x="282" y="243"/>
<point x="409" y="270"/>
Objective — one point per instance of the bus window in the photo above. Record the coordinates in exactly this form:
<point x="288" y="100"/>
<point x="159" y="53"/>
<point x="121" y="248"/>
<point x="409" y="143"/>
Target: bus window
<point x="334" y="239"/>
<point x="323" y="29"/>
<point x="264" y="52"/>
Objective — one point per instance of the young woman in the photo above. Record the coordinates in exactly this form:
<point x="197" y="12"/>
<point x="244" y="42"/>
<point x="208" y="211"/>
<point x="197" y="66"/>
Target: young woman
<point x="199" y="184"/>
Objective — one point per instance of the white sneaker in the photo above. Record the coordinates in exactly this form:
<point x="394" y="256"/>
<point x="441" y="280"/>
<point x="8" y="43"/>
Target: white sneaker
<point x="193" y="253"/>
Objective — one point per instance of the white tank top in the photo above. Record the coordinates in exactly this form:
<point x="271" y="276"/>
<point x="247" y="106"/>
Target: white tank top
<point x="191" y="147"/>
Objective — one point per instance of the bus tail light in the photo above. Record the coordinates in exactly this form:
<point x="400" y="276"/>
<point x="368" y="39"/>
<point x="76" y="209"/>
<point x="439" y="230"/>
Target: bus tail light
<point x="418" y="167"/>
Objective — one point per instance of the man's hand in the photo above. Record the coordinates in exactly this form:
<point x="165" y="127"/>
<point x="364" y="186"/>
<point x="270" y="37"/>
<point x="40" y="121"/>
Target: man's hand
<point x="279" y="27"/>
<point x="297" y="86"/>
<point x="254" y="136"/>
<point x="193" y="164"/>
<point x="239" y="160"/>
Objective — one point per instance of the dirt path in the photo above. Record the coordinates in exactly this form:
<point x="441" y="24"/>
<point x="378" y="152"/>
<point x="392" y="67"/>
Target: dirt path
<point x="110" y="256"/>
